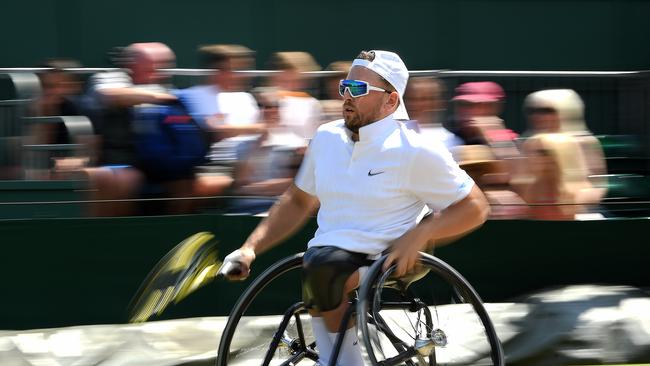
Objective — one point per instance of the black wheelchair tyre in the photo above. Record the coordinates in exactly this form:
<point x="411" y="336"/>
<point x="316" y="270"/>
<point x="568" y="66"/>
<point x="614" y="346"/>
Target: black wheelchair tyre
<point x="269" y="275"/>
<point x="366" y="317"/>
<point x="368" y="300"/>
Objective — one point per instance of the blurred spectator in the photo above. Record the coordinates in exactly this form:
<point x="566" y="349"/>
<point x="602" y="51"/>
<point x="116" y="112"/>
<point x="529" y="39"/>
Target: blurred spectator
<point x="557" y="176"/>
<point x="543" y="110"/>
<point x="477" y="106"/>
<point x="114" y="93"/>
<point x="117" y="91"/>
<point x="60" y="93"/>
<point x="570" y="109"/>
<point x="425" y="101"/>
<point x="222" y="103"/>
<point x="267" y="168"/>
<point x="493" y="177"/>
<point x="556" y="170"/>
<point x="300" y="113"/>
<point x="332" y="105"/>
<point x="58" y="90"/>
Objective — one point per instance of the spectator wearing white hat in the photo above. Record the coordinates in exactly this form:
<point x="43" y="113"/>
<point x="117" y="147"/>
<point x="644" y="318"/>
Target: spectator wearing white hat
<point x="563" y="170"/>
<point x="372" y="177"/>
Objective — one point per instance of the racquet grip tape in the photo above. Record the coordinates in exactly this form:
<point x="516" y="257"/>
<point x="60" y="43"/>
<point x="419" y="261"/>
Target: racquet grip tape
<point x="230" y="269"/>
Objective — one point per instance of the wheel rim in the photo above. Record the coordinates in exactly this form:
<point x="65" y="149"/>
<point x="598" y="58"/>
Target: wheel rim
<point x="446" y="328"/>
<point x="248" y="334"/>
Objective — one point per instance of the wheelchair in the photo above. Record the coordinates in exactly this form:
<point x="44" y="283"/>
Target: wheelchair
<point x="430" y="317"/>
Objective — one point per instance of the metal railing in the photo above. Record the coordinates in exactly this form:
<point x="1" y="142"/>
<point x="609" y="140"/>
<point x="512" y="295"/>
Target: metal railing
<point x="439" y="73"/>
<point x="617" y="102"/>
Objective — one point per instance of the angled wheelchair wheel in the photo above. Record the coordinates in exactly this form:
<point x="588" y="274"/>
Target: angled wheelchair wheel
<point x="253" y="338"/>
<point x="432" y="317"/>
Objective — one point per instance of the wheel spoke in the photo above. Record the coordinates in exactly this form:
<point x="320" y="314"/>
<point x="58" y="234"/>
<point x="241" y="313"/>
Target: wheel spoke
<point x="449" y="333"/>
<point x="251" y="338"/>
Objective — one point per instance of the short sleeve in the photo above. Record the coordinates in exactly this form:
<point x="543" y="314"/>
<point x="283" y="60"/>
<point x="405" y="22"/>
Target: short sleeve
<point x="306" y="177"/>
<point x="255" y="110"/>
<point x="436" y="179"/>
<point x="315" y="118"/>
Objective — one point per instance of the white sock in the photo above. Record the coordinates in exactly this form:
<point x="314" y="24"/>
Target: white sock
<point x="324" y="344"/>
<point x="350" y="354"/>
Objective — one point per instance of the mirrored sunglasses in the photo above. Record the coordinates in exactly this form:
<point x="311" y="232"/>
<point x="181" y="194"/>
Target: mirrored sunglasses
<point x="357" y="88"/>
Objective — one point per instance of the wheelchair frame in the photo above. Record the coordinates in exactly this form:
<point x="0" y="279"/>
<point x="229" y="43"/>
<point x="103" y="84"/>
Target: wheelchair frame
<point x="299" y="347"/>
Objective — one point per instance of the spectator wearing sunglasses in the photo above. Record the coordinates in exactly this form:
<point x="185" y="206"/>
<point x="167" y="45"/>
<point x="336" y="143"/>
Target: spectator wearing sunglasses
<point x="372" y="178"/>
<point x="563" y="169"/>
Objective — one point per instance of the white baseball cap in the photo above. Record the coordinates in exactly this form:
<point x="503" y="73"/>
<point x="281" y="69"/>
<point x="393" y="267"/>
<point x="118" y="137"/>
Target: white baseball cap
<point x="391" y="67"/>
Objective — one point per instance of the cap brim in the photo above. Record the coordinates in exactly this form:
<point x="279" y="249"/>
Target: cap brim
<point x="474" y="163"/>
<point x="401" y="113"/>
<point x="477" y="98"/>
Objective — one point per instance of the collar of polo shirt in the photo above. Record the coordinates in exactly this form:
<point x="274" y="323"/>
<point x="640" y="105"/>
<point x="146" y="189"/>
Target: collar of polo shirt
<point x="377" y="130"/>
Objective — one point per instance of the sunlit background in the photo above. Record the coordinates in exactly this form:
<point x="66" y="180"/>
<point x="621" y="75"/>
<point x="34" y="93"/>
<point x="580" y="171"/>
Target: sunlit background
<point x="128" y="126"/>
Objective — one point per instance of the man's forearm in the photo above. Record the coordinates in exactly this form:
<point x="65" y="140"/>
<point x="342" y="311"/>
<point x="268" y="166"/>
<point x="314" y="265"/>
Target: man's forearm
<point x="285" y="217"/>
<point x="127" y="97"/>
<point x="269" y="187"/>
<point x="458" y="219"/>
<point x="454" y="221"/>
<point x="232" y="131"/>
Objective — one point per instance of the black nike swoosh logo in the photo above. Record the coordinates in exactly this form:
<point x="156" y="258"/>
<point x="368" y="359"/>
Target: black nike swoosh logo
<point x="370" y="173"/>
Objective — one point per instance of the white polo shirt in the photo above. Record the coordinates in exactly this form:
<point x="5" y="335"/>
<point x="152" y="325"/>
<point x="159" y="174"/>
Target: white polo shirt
<point x="372" y="191"/>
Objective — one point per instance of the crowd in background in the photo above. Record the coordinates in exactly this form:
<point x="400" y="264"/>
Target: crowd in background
<point x="245" y="138"/>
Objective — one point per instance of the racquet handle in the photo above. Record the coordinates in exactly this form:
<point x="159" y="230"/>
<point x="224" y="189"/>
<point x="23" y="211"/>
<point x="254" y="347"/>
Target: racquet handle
<point x="230" y="268"/>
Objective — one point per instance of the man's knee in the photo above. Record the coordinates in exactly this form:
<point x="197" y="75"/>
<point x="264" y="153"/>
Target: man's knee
<point x="329" y="274"/>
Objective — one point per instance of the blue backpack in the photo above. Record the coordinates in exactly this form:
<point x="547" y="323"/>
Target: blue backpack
<point x="169" y="142"/>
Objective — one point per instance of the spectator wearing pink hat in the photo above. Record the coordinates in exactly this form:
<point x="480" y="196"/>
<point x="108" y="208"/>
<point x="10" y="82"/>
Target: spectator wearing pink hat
<point x="477" y="106"/>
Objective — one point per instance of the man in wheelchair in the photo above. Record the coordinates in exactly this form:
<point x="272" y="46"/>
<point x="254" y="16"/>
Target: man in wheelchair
<point x="370" y="177"/>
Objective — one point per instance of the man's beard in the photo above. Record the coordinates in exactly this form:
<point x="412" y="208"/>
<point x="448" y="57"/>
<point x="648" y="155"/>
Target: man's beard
<point x="353" y="124"/>
<point x="354" y="121"/>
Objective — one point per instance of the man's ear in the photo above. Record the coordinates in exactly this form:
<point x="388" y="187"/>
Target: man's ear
<point x="393" y="101"/>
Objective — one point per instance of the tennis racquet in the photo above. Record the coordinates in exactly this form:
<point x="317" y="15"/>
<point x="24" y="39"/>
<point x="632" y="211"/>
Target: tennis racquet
<point x="188" y="266"/>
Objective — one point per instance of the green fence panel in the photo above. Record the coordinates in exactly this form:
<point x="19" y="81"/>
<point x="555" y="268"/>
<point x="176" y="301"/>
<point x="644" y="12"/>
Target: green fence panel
<point x="58" y="272"/>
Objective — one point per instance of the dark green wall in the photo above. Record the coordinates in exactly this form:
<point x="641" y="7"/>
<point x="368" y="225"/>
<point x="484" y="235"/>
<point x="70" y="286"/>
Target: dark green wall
<point x="58" y="272"/>
<point x="469" y="34"/>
